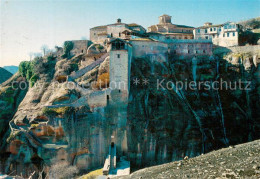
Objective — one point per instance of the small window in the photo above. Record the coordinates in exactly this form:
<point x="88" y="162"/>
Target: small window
<point x="118" y="55"/>
<point x="119" y="34"/>
<point x="234" y="34"/>
<point x="188" y="51"/>
<point x="197" y="52"/>
<point x="94" y="33"/>
<point x="210" y="29"/>
<point x="223" y="35"/>
<point x="207" y="37"/>
<point x="204" y="51"/>
<point x="111" y="34"/>
<point x="214" y="28"/>
<point x="219" y="29"/>
<point x="213" y="35"/>
<point x="174" y="52"/>
<point x="228" y="34"/>
<point x="206" y="31"/>
<point x="198" y="30"/>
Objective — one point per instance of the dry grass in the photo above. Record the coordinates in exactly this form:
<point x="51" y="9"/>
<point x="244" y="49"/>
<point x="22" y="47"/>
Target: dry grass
<point x="93" y="174"/>
<point x="102" y="81"/>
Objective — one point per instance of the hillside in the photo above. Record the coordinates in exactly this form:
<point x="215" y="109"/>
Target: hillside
<point x="65" y="131"/>
<point x="11" y="69"/>
<point x="241" y="161"/>
<point x="4" y="75"/>
<point x="253" y="23"/>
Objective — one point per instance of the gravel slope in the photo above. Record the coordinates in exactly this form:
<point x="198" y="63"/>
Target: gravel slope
<point x="240" y="161"/>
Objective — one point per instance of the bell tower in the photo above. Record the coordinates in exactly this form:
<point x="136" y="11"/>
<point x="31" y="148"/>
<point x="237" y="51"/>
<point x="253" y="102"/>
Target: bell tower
<point x="120" y="65"/>
<point x="164" y="19"/>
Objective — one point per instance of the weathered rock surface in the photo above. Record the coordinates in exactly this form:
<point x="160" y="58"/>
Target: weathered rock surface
<point x="240" y="161"/>
<point x="63" y="122"/>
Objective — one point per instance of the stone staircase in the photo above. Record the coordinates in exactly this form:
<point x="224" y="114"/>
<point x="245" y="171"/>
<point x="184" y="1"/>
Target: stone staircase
<point x="86" y="69"/>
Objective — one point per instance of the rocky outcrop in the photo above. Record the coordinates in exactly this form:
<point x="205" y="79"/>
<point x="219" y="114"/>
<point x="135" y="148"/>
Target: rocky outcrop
<point x="64" y="122"/>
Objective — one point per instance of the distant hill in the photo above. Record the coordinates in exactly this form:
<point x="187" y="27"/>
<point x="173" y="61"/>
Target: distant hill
<point x="251" y="23"/>
<point x="12" y="69"/>
<point x="4" y="75"/>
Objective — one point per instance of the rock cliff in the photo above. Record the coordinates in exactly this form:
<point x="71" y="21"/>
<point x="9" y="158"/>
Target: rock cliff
<point x="62" y="122"/>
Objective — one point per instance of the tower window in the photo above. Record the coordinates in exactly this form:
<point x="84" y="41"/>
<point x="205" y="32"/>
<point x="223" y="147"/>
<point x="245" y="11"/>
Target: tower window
<point x="118" y="55"/>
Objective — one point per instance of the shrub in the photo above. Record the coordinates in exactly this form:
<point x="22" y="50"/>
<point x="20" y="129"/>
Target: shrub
<point x="33" y="80"/>
<point x="57" y="111"/>
<point x="25" y="68"/>
<point x="50" y="58"/>
<point x="68" y="46"/>
<point x="61" y="99"/>
<point x="62" y="170"/>
<point x="74" y="67"/>
<point x="103" y="81"/>
<point x="61" y="78"/>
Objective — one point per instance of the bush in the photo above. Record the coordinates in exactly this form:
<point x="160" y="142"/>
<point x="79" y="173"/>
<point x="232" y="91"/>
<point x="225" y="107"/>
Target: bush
<point x="50" y="58"/>
<point x="33" y="80"/>
<point x="73" y="67"/>
<point x="103" y="81"/>
<point x="57" y="111"/>
<point x="25" y="68"/>
<point x="68" y="46"/>
<point x="62" y="170"/>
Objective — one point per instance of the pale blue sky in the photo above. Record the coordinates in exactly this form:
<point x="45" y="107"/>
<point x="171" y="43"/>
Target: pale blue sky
<point x="25" y="25"/>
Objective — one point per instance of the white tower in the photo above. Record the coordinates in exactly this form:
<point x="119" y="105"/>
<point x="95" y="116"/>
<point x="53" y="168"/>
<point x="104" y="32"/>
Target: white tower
<point x="120" y="65"/>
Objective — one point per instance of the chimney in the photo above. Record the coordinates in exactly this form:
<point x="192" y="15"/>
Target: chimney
<point x="207" y="23"/>
<point x="118" y="20"/>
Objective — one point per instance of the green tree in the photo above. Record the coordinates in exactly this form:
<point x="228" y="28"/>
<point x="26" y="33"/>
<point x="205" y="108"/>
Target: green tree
<point x="68" y="46"/>
<point x="23" y="68"/>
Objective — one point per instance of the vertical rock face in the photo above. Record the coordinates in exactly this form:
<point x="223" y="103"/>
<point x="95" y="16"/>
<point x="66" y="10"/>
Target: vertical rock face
<point x="168" y="124"/>
<point x="174" y="109"/>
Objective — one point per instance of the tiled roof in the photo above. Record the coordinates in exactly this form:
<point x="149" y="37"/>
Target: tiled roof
<point x="133" y="25"/>
<point x="165" y="15"/>
<point x="99" y="27"/>
<point x="183" y="26"/>
<point x="143" y="39"/>
<point x="204" y="27"/>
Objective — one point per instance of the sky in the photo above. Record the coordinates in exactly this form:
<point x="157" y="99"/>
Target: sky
<point x="26" y="25"/>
